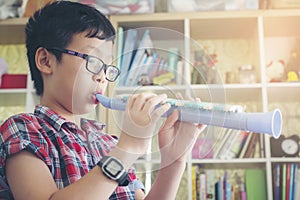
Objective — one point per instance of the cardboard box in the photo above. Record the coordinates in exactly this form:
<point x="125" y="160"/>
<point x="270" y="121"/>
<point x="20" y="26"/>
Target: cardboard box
<point x="284" y="4"/>
<point x="211" y="5"/>
<point x="12" y="81"/>
<point x="117" y="7"/>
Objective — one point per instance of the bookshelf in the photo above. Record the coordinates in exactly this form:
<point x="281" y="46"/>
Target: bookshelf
<point x="238" y="38"/>
<point x="243" y="39"/>
<point x="12" y="44"/>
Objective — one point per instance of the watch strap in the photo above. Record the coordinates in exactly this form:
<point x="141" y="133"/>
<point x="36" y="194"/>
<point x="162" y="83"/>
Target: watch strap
<point x="123" y="179"/>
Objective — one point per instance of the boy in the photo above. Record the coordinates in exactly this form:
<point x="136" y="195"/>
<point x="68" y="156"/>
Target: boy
<point x="47" y="155"/>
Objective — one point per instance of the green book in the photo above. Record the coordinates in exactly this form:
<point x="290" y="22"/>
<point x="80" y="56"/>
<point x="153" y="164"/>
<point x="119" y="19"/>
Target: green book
<point x="283" y="181"/>
<point x="256" y="184"/>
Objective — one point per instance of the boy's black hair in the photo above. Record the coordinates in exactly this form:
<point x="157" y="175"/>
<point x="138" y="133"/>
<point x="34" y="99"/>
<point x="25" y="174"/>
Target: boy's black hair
<point x="54" y="26"/>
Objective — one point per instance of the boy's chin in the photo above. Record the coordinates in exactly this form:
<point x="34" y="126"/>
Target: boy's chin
<point x="83" y="110"/>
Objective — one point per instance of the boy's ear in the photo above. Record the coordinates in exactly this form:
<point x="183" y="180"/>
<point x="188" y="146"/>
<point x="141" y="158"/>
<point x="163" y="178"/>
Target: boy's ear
<point x="44" y="60"/>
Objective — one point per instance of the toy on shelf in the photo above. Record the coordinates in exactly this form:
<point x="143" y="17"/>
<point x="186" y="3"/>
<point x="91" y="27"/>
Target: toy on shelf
<point x="275" y="71"/>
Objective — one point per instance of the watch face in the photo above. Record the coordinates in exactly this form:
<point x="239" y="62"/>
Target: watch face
<point x="289" y="146"/>
<point x="113" y="168"/>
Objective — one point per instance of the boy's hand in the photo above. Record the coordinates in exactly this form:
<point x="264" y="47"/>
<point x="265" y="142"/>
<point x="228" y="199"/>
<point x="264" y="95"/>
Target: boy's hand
<point x="140" y="119"/>
<point x="176" y="139"/>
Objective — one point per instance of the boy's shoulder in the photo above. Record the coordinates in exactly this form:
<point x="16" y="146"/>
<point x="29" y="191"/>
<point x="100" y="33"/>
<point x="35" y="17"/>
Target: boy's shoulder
<point x="20" y="117"/>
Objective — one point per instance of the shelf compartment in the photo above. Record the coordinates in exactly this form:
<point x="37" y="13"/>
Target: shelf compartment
<point x="15" y="26"/>
<point x="290" y="91"/>
<point x="209" y="28"/>
<point x="278" y="25"/>
<point x="165" y="29"/>
<point x="13" y="97"/>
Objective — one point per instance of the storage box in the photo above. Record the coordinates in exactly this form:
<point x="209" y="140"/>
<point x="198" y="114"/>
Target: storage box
<point x="10" y="81"/>
<point x="284" y="4"/>
<point x="115" y="7"/>
<point x="211" y="5"/>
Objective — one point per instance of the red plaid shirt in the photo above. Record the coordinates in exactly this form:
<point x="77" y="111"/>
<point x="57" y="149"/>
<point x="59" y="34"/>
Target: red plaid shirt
<point x="68" y="151"/>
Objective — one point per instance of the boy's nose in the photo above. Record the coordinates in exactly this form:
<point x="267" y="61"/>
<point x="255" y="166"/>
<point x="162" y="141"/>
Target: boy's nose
<point x="100" y="78"/>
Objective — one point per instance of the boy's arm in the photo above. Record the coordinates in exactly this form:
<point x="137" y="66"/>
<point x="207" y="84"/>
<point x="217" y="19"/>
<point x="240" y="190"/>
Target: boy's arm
<point x="167" y="182"/>
<point x="30" y="178"/>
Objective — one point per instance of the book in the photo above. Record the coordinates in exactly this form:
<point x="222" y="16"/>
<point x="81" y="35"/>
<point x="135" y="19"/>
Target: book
<point x="194" y="186"/>
<point x="276" y="181"/>
<point x="245" y="146"/>
<point x="172" y="60"/>
<point x="135" y="72"/>
<point x="227" y="146"/>
<point x="251" y="147"/>
<point x="225" y="135"/>
<point x="143" y="77"/>
<point x="120" y="41"/>
<point x="287" y="183"/>
<point x="219" y="185"/>
<point x="145" y="45"/>
<point x="210" y="182"/>
<point x="237" y="187"/>
<point x="202" y="189"/>
<point x="227" y="187"/>
<point x="236" y="144"/>
<point x="179" y="73"/>
<point x="283" y="181"/>
<point x="243" y="193"/>
<point x="296" y="184"/>
<point x="154" y="68"/>
<point x="256" y="184"/>
<point x="128" y="50"/>
<point x="291" y="190"/>
<point x="262" y="145"/>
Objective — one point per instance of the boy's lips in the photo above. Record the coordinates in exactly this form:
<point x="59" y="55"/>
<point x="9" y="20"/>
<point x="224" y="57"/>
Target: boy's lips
<point x="94" y="97"/>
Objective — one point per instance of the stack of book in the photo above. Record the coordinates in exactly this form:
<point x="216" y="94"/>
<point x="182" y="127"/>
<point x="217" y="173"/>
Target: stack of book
<point x="230" y="144"/>
<point x="206" y="184"/>
<point x="285" y="181"/>
<point x="141" y="64"/>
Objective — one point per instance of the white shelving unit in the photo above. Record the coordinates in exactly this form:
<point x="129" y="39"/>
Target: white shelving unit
<point x="241" y="35"/>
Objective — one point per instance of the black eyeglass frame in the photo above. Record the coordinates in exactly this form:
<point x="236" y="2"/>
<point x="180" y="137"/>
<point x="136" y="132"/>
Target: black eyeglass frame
<point x="87" y="57"/>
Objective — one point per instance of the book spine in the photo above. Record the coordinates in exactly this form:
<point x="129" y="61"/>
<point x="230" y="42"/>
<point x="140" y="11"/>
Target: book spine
<point x="291" y="181"/>
<point x="237" y="144"/>
<point x="262" y="145"/>
<point x="251" y="147"/>
<point x="243" y="192"/>
<point x="283" y="181"/>
<point x="287" y="184"/>
<point x="194" y="186"/>
<point x="120" y="44"/>
<point x="296" y="183"/>
<point x="202" y="178"/>
<point x="210" y="178"/>
<point x="277" y="181"/>
<point x="245" y="146"/>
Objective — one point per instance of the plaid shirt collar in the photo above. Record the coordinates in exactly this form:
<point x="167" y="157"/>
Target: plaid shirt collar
<point x="50" y="115"/>
<point x="57" y="121"/>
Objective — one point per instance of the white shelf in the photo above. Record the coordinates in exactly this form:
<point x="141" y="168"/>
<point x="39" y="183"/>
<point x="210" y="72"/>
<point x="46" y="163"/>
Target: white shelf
<point x="242" y="34"/>
<point x="228" y="30"/>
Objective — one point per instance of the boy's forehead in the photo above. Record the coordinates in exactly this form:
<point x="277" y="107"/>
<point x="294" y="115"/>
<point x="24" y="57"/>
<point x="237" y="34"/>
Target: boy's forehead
<point x="95" y="45"/>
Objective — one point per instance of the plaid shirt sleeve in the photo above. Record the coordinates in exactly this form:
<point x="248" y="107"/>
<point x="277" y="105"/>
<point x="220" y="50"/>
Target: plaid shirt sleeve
<point x="22" y="133"/>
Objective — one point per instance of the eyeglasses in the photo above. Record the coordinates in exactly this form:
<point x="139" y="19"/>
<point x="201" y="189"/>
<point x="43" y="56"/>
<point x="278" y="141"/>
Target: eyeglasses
<point x="93" y="64"/>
